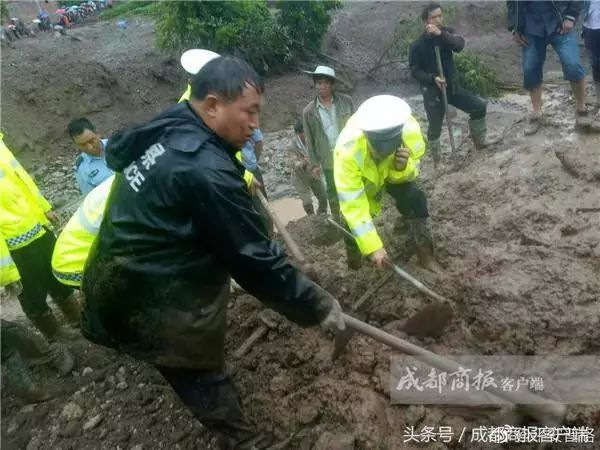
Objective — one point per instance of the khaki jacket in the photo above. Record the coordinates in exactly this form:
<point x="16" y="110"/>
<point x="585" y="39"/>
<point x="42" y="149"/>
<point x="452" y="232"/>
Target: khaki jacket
<point x="317" y="143"/>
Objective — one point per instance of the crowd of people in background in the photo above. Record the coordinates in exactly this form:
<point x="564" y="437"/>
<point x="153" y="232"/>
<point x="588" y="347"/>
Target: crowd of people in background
<point x="59" y="21"/>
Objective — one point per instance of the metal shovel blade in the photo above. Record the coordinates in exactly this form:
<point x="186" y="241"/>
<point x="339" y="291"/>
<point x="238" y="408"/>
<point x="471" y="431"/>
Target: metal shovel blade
<point x="430" y="321"/>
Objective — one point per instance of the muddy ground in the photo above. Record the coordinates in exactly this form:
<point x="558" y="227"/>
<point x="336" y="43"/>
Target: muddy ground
<point x="517" y="231"/>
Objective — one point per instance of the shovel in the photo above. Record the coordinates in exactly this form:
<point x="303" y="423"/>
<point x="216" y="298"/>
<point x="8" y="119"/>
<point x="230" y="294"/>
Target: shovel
<point x="399" y="271"/>
<point x="545" y="411"/>
<point x="307" y="268"/>
<point x="438" y="61"/>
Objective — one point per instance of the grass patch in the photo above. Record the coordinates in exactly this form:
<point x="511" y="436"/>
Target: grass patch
<point x="129" y="8"/>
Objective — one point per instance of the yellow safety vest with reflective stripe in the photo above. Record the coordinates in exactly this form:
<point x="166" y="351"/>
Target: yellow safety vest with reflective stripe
<point x="75" y="241"/>
<point x="22" y="206"/>
<point x="360" y="179"/>
<point x="248" y="176"/>
<point x="8" y="269"/>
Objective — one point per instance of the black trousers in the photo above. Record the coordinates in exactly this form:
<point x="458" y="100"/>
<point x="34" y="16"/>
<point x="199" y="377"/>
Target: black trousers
<point x="34" y="264"/>
<point x="214" y="401"/>
<point x="460" y="98"/>
<point x="410" y="201"/>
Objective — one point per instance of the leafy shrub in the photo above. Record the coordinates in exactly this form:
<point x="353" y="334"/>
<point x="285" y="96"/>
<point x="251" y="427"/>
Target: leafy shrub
<point x="267" y="38"/>
<point x="129" y="9"/>
<point x="475" y="74"/>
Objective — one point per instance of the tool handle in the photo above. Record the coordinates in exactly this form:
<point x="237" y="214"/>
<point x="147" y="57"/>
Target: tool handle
<point x="402" y="273"/>
<point x="416" y="283"/>
<point x="438" y="60"/>
<point x="533" y="402"/>
<point x="289" y="242"/>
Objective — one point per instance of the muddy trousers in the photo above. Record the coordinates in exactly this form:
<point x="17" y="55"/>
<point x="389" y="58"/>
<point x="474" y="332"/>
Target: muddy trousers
<point x="213" y="399"/>
<point x="334" y="203"/>
<point x="306" y="186"/>
<point x="34" y="264"/>
<point x="461" y="98"/>
<point x="410" y="201"/>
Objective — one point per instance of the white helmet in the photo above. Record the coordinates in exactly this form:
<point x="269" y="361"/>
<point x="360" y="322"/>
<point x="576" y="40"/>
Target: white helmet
<point x="381" y="118"/>
<point x="194" y="59"/>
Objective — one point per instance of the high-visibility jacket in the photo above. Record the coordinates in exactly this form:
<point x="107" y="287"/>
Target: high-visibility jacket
<point x="248" y="176"/>
<point x="8" y="270"/>
<point x="23" y="208"/>
<point x="75" y="240"/>
<point x="187" y="94"/>
<point x="360" y="179"/>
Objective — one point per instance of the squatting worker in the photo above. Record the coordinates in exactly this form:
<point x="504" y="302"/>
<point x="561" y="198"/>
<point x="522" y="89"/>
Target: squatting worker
<point x="379" y="149"/>
<point x="179" y="222"/>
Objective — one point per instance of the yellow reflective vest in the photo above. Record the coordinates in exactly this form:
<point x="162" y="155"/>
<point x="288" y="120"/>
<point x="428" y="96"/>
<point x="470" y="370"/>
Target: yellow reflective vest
<point x="75" y="241"/>
<point x="8" y="270"/>
<point x="248" y="176"/>
<point x="23" y="208"/>
<point x="360" y="179"/>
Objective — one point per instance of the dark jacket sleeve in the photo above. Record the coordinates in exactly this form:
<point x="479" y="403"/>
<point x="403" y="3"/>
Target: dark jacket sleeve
<point x="415" y="66"/>
<point x="236" y="234"/>
<point x="309" y="139"/>
<point x="573" y="10"/>
<point x="455" y="42"/>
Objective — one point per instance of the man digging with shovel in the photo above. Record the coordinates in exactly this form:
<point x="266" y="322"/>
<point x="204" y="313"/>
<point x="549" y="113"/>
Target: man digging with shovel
<point x="379" y="149"/>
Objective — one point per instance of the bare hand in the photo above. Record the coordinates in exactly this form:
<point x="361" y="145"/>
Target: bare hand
<point x="567" y="26"/>
<point x="432" y="30"/>
<point x="401" y="158"/>
<point x="52" y="217"/>
<point x="379" y="257"/>
<point x="520" y="39"/>
<point x="440" y="83"/>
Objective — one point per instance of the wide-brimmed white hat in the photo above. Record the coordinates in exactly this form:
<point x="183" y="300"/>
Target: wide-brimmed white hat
<point x="323" y="71"/>
<point x="194" y="59"/>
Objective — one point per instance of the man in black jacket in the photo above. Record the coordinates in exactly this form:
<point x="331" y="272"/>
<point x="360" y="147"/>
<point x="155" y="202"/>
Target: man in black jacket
<point x="423" y="68"/>
<point x="179" y="221"/>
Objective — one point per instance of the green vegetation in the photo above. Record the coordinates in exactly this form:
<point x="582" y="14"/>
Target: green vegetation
<point x="129" y="8"/>
<point x="268" y="38"/>
<point x="3" y="12"/>
<point x="475" y="74"/>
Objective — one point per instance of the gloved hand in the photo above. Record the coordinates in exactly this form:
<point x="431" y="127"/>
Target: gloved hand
<point x="334" y="321"/>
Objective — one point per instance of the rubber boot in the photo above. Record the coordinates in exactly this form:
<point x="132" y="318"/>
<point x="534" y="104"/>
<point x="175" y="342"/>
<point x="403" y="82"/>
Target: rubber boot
<point x="478" y="129"/>
<point x="422" y="242"/>
<point x="353" y="256"/>
<point x="308" y="208"/>
<point x="18" y="380"/>
<point x="435" y="149"/>
<point x="322" y="208"/>
<point x="61" y="359"/>
<point x="70" y="309"/>
<point x="48" y="325"/>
